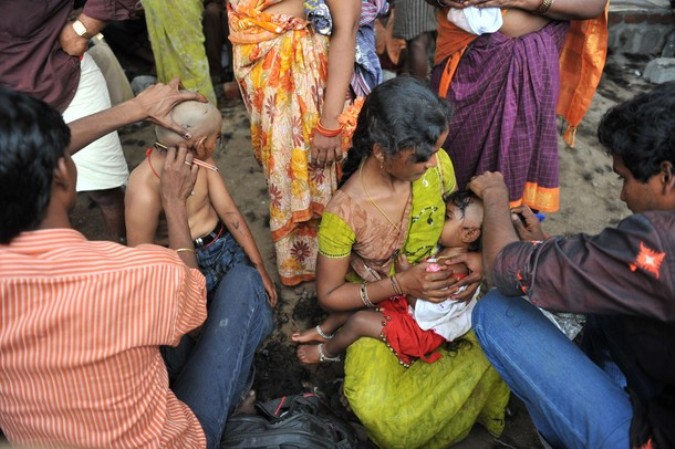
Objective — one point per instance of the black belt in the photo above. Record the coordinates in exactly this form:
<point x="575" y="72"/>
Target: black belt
<point x="206" y="240"/>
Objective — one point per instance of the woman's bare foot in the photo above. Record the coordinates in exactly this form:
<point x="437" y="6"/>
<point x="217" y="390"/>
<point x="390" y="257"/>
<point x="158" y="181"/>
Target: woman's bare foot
<point x="312" y="354"/>
<point x="311" y="335"/>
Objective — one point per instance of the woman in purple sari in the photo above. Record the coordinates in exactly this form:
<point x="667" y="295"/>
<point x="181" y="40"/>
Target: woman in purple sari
<point x="504" y="89"/>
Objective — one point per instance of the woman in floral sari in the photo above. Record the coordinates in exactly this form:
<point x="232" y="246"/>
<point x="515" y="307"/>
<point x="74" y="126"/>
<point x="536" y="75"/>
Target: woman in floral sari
<point x="294" y="90"/>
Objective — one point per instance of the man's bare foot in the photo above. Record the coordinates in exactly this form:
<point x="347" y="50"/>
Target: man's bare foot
<point x="312" y="335"/>
<point x="312" y="354"/>
<point x="247" y="406"/>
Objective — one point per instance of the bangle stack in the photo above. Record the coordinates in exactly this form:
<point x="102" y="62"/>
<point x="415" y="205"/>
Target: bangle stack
<point x="186" y="250"/>
<point x="327" y="132"/>
<point x="395" y="285"/>
<point x="364" y="297"/>
<point x="543" y="7"/>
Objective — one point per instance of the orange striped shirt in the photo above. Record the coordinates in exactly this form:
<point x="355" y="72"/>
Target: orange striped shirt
<point x="81" y="323"/>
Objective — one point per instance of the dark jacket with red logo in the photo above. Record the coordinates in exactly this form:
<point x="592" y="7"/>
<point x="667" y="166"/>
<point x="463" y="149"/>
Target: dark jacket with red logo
<point x="628" y="274"/>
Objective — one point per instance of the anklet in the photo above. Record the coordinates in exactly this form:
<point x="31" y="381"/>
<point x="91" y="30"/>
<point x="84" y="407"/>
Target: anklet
<point x="324" y="358"/>
<point x="322" y="333"/>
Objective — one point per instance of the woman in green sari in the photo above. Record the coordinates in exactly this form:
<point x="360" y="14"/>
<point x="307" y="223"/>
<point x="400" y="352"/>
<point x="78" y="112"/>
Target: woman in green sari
<point x="393" y="205"/>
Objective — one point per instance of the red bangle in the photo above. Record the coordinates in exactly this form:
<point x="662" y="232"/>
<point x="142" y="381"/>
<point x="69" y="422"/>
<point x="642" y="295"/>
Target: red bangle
<point x="327" y="132"/>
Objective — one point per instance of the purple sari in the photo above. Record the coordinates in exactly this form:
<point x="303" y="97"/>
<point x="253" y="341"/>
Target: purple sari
<point x="504" y="96"/>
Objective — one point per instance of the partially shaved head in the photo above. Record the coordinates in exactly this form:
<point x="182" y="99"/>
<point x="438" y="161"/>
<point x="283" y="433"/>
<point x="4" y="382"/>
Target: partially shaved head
<point x="200" y="119"/>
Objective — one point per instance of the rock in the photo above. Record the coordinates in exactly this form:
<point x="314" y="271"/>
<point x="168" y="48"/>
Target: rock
<point x="660" y="70"/>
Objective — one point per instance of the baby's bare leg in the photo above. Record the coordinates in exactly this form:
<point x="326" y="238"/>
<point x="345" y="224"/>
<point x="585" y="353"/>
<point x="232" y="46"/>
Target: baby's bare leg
<point x="364" y="323"/>
<point x="334" y="321"/>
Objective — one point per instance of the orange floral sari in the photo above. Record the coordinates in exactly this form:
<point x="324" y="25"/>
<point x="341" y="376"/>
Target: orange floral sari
<point x="281" y="67"/>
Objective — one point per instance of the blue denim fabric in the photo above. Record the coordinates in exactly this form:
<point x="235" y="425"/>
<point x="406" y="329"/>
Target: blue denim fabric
<point x="211" y="374"/>
<point x="572" y="402"/>
<point x="216" y="259"/>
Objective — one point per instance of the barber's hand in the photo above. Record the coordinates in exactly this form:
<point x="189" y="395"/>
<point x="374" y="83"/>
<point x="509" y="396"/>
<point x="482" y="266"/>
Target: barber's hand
<point x="432" y="286"/>
<point x="71" y="43"/>
<point x="179" y="175"/>
<point x="158" y="101"/>
<point x="526" y="224"/>
<point x="488" y="182"/>
<point x="325" y="150"/>
<point x="474" y="262"/>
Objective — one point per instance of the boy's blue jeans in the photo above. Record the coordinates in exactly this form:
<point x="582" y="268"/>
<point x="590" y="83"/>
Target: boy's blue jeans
<point x="572" y="402"/>
<point x="216" y="259"/>
<point x="211" y="374"/>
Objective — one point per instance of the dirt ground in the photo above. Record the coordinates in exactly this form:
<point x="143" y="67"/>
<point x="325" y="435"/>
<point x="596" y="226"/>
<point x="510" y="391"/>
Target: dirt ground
<point x="589" y="202"/>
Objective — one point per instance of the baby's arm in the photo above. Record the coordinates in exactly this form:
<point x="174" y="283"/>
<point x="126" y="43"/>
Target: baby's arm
<point x="142" y="207"/>
<point x="228" y="211"/>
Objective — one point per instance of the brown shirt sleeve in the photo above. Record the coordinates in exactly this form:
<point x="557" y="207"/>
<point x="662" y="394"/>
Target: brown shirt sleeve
<point x="627" y="270"/>
<point x="107" y="10"/>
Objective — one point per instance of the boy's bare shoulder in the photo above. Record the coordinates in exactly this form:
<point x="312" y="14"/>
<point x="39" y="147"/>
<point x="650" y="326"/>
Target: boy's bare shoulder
<point x="143" y="182"/>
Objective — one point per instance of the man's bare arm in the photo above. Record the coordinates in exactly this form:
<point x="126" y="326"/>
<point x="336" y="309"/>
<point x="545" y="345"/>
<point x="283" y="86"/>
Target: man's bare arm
<point x="497" y="227"/>
<point x="153" y="104"/>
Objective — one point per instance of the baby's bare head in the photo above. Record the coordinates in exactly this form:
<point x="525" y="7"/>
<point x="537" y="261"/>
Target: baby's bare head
<point x="202" y="120"/>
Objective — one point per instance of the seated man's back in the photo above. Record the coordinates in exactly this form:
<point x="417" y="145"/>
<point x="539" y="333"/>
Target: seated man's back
<point x="81" y="326"/>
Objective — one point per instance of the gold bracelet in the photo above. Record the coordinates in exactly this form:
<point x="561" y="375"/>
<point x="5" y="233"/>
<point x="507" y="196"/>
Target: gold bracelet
<point x="543" y="7"/>
<point x="186" y="250"/>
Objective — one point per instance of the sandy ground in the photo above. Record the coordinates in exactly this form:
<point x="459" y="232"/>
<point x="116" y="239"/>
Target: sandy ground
<point x="589" y="202"/>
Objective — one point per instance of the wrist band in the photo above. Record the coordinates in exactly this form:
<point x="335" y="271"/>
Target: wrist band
<point x="543" y="7"/>
<point x="364" y="297"/>
<point x="186" y="250"/>
<point x="396" y="285"/>
<point x="327" y="132"/>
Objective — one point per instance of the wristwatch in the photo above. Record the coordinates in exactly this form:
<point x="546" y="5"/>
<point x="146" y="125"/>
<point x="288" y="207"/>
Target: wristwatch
<point x="81" y="30"/>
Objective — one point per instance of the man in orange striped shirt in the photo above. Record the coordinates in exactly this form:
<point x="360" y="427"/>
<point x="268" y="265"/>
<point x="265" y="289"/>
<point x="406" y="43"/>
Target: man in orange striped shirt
<point x="83" y="322"/>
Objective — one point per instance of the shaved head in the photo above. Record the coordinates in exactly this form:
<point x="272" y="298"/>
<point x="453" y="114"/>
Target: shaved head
<point x="200" y="119"/>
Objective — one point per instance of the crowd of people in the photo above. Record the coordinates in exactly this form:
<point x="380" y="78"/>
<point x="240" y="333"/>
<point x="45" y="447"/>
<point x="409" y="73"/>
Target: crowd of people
<point x="409" y="203"/>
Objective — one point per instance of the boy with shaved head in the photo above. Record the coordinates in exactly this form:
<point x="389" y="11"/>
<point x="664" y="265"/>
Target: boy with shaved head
<point x="221" y="236"/>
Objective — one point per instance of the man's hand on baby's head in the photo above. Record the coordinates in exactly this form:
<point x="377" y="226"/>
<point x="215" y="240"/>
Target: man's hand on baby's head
<point x="492" y="182"/>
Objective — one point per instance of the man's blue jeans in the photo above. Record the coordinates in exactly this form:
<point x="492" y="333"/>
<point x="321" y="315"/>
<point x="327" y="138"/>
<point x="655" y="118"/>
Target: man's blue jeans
<point x="572" y="402"/>
<point x="211" y="374"/>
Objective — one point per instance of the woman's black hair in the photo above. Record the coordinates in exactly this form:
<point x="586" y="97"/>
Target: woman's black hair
<point x="642" y="131"/>
<point x="33" y="137"/>
<point x="399" y="114"/>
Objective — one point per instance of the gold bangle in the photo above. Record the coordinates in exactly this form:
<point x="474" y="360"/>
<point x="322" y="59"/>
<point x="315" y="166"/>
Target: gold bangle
<point x="186" y="250"/>
<point x="543" y="7"/>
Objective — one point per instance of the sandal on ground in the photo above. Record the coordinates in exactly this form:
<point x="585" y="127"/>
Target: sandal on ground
<point x="324" y="358"/>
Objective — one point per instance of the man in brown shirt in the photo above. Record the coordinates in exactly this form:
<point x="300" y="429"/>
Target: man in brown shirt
<point x="43" y="55"/>
<point x="618" y="390"/>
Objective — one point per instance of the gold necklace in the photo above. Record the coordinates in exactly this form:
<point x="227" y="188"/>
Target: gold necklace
<point x="368" y="197"/>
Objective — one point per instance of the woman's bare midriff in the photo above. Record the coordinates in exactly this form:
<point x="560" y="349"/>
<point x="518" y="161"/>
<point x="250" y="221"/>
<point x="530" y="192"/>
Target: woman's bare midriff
<point x="518" y="23"/>
<point x="295" y="8"/>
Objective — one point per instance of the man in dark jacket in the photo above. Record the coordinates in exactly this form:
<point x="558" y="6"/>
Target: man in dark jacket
<point x="618" y="389"/>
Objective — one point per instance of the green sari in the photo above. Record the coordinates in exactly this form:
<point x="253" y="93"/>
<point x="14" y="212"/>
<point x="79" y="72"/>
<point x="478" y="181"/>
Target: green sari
<point x="175" y="30"/>
<point x="427" y="405"/>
